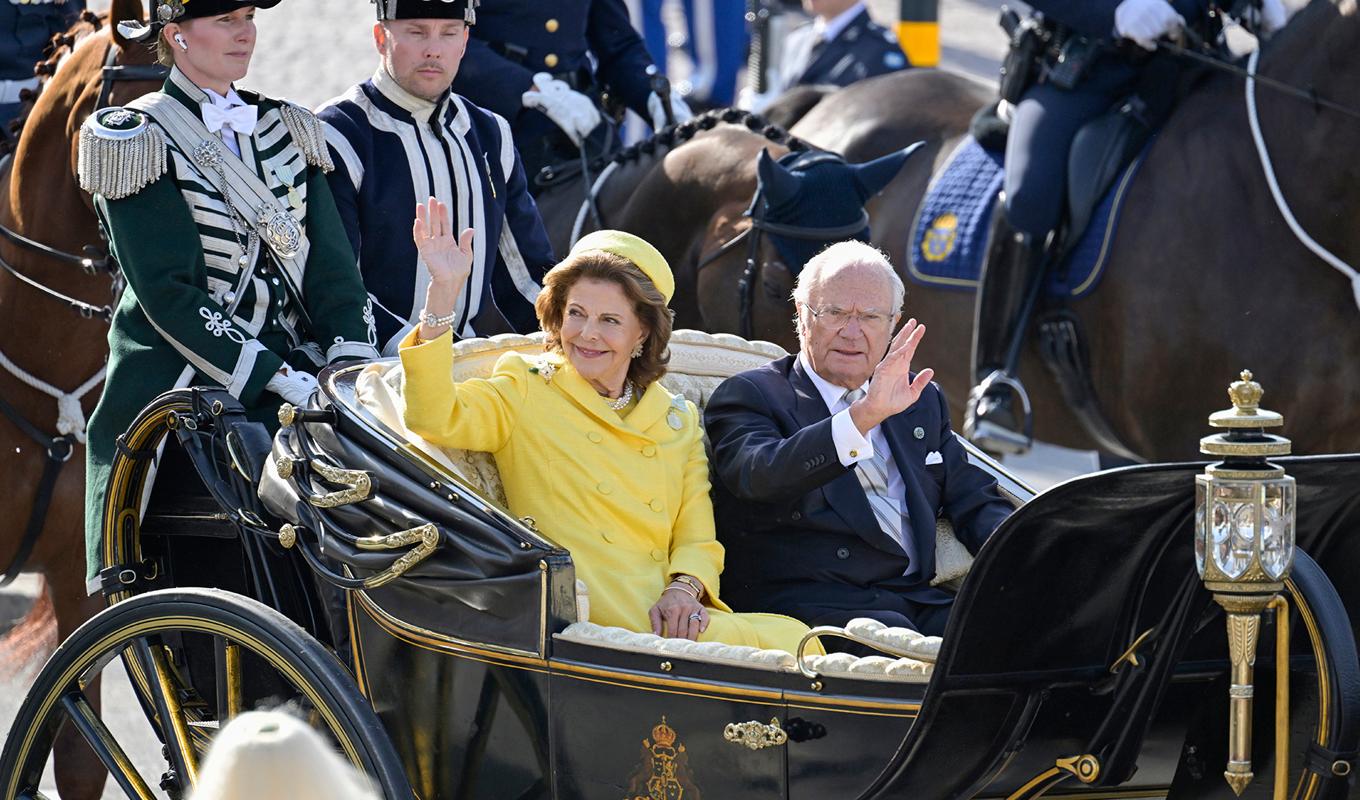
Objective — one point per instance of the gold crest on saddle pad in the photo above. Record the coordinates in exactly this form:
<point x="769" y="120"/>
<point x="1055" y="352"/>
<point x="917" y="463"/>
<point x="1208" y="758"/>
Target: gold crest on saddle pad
<point x="938" y="243"/>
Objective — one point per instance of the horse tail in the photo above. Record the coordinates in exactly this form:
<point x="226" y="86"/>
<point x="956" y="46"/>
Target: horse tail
<point x="32" y="638"/>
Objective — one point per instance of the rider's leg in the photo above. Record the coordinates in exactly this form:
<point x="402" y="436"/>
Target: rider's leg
<point x="1041" y="133"/>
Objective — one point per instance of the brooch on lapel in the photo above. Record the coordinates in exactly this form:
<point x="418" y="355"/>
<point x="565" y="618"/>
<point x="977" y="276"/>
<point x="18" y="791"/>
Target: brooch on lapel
<point x="545" y="368"/>
<point x="673" y="413"/>
<point x="919" y="433"/>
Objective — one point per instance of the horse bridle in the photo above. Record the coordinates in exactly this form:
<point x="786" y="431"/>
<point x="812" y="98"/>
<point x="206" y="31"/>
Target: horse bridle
<point x="58" y="449"/>
<point x="93" y="262"/>
<point x="752" y="235"/>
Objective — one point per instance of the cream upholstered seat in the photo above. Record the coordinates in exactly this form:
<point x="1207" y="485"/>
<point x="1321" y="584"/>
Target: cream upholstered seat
<point x="699" y="362"/>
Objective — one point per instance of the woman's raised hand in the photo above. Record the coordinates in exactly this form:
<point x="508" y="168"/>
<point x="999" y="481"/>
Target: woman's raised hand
<point x="447" y="256"/>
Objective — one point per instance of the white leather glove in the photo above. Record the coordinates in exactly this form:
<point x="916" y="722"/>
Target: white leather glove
<point x="1273" y="16"/>
<point x="292" y="385"/>
<point x="1146" y="21"/>
<point x="570" y="110"/>
<point x="679" y="108"/>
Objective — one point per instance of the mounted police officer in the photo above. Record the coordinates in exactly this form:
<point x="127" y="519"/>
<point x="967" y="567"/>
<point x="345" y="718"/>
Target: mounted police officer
<point x="840" y="46"/>
<point x="402" y="137"/>
<point x="217" y="209"/>
<point x="546" y="67"/>
<point x="1082" y="73"/>
<point x="27" y="27"/>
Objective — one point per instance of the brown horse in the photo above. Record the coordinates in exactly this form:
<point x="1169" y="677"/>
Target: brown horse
<point x="687" y="191"/>
<point x="40" y="199"/>
<point x="1206" y="277"/>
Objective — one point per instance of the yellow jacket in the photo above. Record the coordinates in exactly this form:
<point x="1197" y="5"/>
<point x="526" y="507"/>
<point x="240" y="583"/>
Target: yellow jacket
<point x="627" y="495"/>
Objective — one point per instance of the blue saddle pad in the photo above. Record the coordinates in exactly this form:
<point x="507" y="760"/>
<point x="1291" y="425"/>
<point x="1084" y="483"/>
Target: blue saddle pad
<point x="949" y="238"/>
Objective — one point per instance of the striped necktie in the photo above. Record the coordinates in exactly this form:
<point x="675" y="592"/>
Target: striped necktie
<point x="873" y="478"/>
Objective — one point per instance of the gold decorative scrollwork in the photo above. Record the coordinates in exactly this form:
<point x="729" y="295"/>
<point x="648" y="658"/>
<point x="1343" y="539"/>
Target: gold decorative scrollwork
<point x="425" y="538"/>
<point x="360" y="485"/>
<point x="756" y="735"/>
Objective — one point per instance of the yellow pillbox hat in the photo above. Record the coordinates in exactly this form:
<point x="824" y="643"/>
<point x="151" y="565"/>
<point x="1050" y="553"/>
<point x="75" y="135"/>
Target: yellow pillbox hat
<point x="635" y="249"/>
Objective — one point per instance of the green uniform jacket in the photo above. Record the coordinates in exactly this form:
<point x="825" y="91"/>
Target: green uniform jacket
<point x="192" y="314"/>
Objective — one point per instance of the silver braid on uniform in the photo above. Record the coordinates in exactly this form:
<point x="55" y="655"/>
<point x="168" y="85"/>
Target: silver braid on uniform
<point x="309" y="134"/>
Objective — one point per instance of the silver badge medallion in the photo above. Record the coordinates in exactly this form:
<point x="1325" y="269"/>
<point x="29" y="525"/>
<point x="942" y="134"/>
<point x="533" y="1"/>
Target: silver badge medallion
<point x="282" y="233"/>
<point x="919" y="433"/>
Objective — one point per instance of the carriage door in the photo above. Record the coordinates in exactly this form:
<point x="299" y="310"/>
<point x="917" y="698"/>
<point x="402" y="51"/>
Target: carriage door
<point x="626" y="725"/>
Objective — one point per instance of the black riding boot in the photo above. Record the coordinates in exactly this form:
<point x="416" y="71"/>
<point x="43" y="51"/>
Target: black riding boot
<point x="998" y="418"/>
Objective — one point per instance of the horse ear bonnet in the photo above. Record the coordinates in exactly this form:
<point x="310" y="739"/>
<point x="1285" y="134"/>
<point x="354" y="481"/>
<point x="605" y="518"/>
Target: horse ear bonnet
<point x="874" y="175"/>
<point x="808" y="189"/>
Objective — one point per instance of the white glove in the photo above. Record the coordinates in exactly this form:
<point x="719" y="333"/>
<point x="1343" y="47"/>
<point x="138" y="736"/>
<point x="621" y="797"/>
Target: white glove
<point x="570" y="110"/>
<point x="679" y="108"/>
<point x="292" y="385"/>
<point x="1273" y="16"/>
<point x="1146" y="21"/>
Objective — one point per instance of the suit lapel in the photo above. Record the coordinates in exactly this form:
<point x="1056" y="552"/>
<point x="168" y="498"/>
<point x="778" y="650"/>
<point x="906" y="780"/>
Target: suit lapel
<point x="844" y="494"/>
<point x="654" y="403"/>
<point x="910" y="460"/>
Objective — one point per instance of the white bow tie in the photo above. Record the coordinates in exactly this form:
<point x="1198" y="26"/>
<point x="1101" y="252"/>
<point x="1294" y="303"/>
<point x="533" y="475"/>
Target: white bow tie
<point x="241" y="119"/>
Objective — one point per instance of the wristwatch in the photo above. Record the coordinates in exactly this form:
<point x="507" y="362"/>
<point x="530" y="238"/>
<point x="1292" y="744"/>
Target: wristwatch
<point x="430" y="320"/>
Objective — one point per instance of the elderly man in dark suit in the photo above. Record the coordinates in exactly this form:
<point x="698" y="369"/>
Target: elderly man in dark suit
<point x="832" y="465"/>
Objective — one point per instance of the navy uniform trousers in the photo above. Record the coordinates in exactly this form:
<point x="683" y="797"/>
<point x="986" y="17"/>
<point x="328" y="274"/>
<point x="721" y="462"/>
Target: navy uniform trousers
<point x="1047" y="117"/>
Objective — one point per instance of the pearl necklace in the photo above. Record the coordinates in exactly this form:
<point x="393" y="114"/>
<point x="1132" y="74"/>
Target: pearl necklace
<point x="625" y="398"/>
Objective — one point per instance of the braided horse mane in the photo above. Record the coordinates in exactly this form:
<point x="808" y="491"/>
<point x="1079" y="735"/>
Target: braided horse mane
<point x="675" y="135"/>
<point x="57" y="48"/>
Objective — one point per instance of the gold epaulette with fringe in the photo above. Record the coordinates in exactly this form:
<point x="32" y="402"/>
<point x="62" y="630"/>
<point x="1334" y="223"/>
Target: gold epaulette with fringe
<point x="309" y="134"/>
<point x="121" y="153"/>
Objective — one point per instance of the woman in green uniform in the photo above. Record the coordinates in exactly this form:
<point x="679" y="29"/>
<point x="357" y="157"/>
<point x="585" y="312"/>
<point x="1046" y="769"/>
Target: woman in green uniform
<point x="217" y="209"/>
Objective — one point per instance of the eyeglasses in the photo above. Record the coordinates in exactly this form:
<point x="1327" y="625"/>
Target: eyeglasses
<point x="837" y="318"/>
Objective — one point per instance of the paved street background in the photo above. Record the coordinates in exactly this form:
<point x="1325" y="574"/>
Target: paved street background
<point x="311" y="50"/>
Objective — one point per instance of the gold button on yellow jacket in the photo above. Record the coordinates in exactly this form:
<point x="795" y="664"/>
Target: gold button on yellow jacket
<point x="627" y="495"/>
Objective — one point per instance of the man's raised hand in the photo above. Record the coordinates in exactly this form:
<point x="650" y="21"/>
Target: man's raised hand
<point x="891" y="389"/>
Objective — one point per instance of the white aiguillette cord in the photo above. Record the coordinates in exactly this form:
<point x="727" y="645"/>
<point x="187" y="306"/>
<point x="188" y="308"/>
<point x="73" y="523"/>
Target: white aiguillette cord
<point x="1321" y="252"/>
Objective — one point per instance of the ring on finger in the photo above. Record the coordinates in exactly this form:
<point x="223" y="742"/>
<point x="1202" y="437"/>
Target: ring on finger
<point x="696" y="616"/>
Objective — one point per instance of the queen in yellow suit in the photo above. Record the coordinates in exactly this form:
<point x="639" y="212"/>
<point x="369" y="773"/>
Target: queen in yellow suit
<point x="587" y="440"/>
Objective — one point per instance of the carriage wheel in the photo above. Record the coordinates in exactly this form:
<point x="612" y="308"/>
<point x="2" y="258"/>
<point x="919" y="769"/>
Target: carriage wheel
<point x="148" y="631"/>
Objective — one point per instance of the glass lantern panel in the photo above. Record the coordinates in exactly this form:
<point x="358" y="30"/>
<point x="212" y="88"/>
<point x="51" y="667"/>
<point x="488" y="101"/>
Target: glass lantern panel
<point x="1201" y="524"/>
<point x="1233" y="523"/>
<point x="1277" y="528"/>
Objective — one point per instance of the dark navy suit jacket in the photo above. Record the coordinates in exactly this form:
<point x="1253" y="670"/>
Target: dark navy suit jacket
<point x="799" y="533"/>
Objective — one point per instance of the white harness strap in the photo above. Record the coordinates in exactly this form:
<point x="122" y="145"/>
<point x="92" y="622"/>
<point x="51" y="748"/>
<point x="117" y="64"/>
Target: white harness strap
<point x="1321" y="252"/>
<point x="70" y="415"/>
<point x="578" y="229"/>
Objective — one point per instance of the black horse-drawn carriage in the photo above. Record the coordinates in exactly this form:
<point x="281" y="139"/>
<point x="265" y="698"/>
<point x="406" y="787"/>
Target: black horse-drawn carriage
<point x="376" y="584"/>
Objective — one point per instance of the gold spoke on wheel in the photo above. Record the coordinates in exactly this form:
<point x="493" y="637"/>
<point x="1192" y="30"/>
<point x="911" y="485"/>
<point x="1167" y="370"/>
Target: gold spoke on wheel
<point x="230" y="696"/>
<point x="105" y="747"/>
<point x="174" y="728"/>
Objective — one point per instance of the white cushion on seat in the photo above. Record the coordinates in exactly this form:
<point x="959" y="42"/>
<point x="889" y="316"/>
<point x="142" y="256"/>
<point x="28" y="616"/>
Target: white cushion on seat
<point x="651" y="644"/>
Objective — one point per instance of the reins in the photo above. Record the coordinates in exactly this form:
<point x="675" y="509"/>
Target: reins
<point x="70" y="413"/>
<point x="752" y="235"/>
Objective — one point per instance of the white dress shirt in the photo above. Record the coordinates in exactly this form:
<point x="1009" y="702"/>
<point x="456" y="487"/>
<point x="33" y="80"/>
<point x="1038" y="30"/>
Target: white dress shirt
<point x="853" y="447"/>
<point x="232" y="100"/>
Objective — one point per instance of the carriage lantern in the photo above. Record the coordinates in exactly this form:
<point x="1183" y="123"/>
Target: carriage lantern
<point x="1244" y="544"/>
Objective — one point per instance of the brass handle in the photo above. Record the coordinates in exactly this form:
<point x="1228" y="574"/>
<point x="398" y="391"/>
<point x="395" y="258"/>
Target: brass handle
<point x="425" y="538"/>
<point x="756" y="735"/>
<point x="360" y="485"/>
